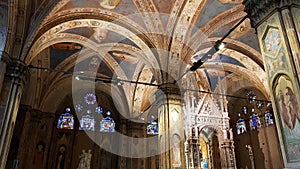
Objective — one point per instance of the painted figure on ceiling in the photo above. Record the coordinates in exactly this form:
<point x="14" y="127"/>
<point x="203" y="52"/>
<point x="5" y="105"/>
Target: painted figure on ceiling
<point x="66" y="46"/>
<point x="94" y="64"/>
<point x="109" y="4"/>
<point x="100" y="34"/>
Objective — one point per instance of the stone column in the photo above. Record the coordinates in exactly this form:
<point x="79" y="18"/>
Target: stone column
<point x="10" y="99"/>
<point x="226" y="146"/>
<point x="123" y="129"/>
<point x="227" y="154"/>
<point x="277" y="23"/>
<point x="171" y="128"/>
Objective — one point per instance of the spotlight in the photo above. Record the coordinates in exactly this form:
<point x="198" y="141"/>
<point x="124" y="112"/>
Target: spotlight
<point x="77" y="78"/>
<point x="221" y="46"/>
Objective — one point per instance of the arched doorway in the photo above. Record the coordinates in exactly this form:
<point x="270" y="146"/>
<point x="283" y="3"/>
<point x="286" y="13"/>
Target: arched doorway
<point x="203" y="149"/>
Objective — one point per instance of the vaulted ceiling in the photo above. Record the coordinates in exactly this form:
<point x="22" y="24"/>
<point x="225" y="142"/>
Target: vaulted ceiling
<point x="149" y="41"/>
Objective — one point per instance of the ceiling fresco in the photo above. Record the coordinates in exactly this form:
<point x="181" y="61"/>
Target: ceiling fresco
<point x="138" y="40"/>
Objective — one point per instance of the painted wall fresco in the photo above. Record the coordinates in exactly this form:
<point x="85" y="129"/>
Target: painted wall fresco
<point x="279" y="65"/>
<point x="275" y="58"/>
<point x="289" y="116"/>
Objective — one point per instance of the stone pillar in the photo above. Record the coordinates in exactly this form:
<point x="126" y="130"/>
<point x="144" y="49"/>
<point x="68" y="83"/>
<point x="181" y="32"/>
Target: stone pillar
<point x="123" y="129"/>
<point x="10" y="99"/>
<point x="171" y="128"/>
<point x="226" y="146"/>
<point x="227" y="154"/>
<point x="277" y="23"/>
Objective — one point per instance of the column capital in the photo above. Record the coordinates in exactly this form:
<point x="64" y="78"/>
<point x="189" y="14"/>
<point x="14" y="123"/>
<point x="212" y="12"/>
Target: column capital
<point x="17" y="71"/>
<point x="4" y="57"/>
<point x="170" y="92"/>
<point x="259" y="10"/>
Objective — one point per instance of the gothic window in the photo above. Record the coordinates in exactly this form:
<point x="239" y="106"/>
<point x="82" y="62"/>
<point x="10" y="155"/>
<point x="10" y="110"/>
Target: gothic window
<point x="99" y="110"/>
<point x="90" y="98"/>
<point x="254" y="122"/>
<point x="268" y="118"/>
<point x="152" y="128"/>
<point x="66" y="121"/>
<point x="251" y="97"/>
<point x="107" y="125"/>
<point x="244" y="110"/>
<point x="87" y="123"/>
<point x="240" y="125"/>
<point x="152" y="125"/>
<point x="78" y="108"/>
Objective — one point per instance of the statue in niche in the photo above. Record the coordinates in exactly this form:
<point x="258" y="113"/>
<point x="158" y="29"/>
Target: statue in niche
<point x="176" y="150"/>
<point x="60" y="158"/>
<point x="85" y="160"/>
<point x="109" y="4"/>
<point x="39" y="156"/>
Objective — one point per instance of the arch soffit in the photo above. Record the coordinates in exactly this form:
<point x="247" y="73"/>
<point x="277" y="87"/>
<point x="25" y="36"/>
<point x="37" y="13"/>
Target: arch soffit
<point x="137" y="36"/>
<point x="56" y="32"/>
<point x="242" y="83"/>
<point x="139" y="73"/>
<point x="235" y="46"/>
<point x="72" y="61"/>
<point x="217" y="128"/>
<point x="215" y="24"/>
<point x="259" y="83"/>
<point x="55" y="94"/>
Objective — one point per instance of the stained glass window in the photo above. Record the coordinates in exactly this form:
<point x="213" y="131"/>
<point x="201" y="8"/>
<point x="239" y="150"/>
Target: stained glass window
<point x="260" y="105"/>
<point x="78" y="108"/>
<point x="152" y="128"/>
<point x="254" y="122"/>
<point x="90" y="98"/>
<point x="99" y="110"/>
<point x="244" y="109"/>
<point x="251" y="96"/>
<point x="87" y="123"/>
<point x="66" y="121"/>
<point x="268" y="118"/>
<point x="241" y="126"/>
<point x="107" y="125"/>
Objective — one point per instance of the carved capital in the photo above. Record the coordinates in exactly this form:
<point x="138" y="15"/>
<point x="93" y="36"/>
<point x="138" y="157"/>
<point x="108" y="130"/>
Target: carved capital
<point x="17" y="71"/>
<point x="169" y="93"/>
<point x="259" y="10"/>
